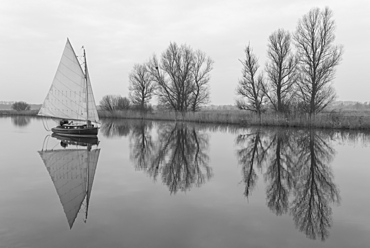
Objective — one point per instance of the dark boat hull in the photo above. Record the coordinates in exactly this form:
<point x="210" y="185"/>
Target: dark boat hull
<point x="80" y="131"/>
<point x="77" y="140"/>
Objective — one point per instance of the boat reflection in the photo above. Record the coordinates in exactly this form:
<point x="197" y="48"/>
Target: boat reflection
<point x="177" y="155"/>
<point x="72" y="167"/>
<point x="295" y="166"/>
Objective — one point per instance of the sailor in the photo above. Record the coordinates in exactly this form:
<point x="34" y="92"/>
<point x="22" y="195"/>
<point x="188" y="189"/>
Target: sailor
<point x="63" y="122"/>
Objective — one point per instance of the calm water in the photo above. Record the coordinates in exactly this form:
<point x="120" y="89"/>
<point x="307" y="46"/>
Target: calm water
<point x="164" y="185"/>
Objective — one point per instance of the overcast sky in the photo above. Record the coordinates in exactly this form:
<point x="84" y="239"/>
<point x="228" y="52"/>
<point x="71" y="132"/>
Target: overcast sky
<point x="119" y="33"/>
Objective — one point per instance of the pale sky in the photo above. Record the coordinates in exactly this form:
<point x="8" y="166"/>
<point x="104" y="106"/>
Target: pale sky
<point x="118" y="34"/>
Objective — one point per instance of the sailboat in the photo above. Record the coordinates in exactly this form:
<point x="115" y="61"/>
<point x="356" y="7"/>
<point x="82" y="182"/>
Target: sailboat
<point x="72" y="169"/>
<point x="71" y="98"/>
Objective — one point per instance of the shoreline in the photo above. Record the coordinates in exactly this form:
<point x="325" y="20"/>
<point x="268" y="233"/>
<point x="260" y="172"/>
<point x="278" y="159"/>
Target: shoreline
<point x="334" y="120"/>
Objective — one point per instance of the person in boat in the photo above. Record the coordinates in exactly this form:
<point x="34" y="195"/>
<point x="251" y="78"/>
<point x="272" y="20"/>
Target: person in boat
<point x="64" y="122"/>
<point x="89" y="124"/>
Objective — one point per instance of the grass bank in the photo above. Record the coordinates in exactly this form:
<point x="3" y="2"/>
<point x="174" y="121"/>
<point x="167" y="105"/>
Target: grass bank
<point x="350" y="120"/>
<point x="332" y="120"/>
<point x="5" y="112"/>
<point x="214" y="116"/>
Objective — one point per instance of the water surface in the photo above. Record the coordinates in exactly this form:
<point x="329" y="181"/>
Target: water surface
<point x="160" y="184"/>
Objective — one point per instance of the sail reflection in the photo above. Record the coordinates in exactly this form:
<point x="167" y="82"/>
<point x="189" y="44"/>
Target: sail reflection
<point x="178" y="155"/>
<point x="72" y="169"/>
<point x="295" y="166"/>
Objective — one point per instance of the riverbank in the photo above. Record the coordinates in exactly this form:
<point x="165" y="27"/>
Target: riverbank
<point x="333" y="120"/>
<point x="6" y="112"/>
<point x="354" y="120"/>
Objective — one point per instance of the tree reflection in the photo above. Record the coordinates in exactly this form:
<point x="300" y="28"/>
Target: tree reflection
<point x="112" y="128"/>
<point x="252" y="154"/>
<point x="178" y="156"/>
<point x="141" y="144"/>
<point x="295" y="166"/>
<point x="279" y="172"/>
<point x="21" y="121"/>
<point x="315" y="189"/>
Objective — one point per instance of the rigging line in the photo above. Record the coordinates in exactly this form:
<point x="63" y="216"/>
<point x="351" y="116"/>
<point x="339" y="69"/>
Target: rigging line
<point x="73" y="52"/>
<point x="45" y="140"/>
<point x="75" y="56"/>
<point x="46" y="128"/>
<point x="54" y="146"/>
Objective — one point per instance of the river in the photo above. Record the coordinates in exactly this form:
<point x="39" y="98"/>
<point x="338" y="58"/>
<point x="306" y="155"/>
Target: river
<point x="162" y="184"/>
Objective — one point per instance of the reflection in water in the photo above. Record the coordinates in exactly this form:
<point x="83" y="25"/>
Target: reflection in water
<point x="315" y="189"/>
<point x="20" y="120"/>
<point x="251" y="156"/>
<point x="299" y="180"/>
<point x="141" y="144"/>
<point x="72" y="168"/>
<point x="279" y="172"/>
<point x="178" y="155"/>
<point x="111" y="128"/>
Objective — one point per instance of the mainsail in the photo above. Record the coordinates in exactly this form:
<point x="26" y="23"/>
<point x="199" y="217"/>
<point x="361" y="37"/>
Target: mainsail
<point x="72" y="172"/>
<point x="67" y="97"/>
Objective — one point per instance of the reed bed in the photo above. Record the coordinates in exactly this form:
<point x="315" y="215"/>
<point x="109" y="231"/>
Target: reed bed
<point x="14" y="112"/>
<point x="216" y="117"/>
<point x="330" y="120"/>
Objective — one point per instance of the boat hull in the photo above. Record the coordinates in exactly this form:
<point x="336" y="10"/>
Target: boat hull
<point x="79" y="131"/>
<point x="77" y="140"/>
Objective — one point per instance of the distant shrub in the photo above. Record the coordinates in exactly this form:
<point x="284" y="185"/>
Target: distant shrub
<point x="112" y="103"/>
<point x="122" y="103"/>
<point x="21" y="106"/>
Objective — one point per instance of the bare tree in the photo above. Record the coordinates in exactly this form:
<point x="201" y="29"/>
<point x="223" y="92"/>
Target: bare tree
<point x="122" y="103"/>
<point x="318" y="57"/>
<point x="107" y="103"/>
<point x="111" y="103"/>
<point x="202" y="66"/>
<point x="141" y="87"/>
<point x="182" y="76"/>
<point x="251" y="85"/>
<point x="281" y="71"/>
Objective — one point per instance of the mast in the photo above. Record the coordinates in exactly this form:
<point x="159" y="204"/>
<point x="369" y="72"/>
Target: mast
<point x="87" y="91"/>
<point x="88" y="181"/>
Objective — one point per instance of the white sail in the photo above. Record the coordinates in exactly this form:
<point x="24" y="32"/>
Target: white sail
<point x="70" y="170"/>
<point x="67" y="97"/>
<point x="92" y="111"/>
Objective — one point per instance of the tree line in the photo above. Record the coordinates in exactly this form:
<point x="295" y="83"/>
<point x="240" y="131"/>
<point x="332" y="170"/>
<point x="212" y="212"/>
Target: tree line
<point x="297" y="77"/>
<point x="179" y="79"/>
<point x="293" y="79"/>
